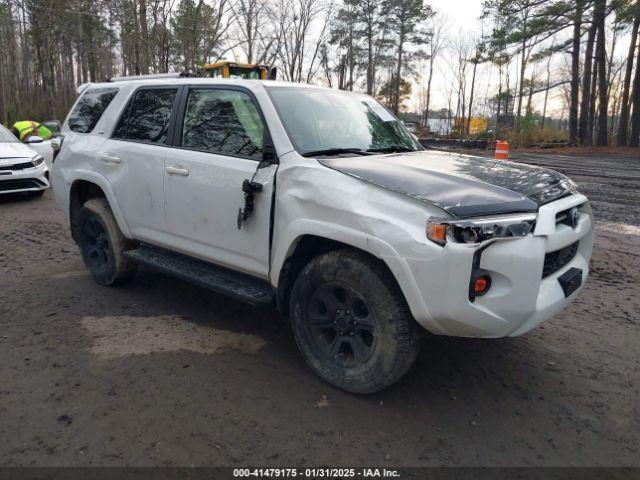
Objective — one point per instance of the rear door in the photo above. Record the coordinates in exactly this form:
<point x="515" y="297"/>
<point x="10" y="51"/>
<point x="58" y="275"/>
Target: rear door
<point x="133" y="159"/>
<point x="220" y="138"/>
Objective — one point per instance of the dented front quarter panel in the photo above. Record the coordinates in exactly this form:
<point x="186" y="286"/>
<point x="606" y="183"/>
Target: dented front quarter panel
<point x="315" y="200"/>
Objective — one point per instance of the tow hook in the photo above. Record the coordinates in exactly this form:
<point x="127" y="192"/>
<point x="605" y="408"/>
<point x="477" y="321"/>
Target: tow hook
<point x="249" y="188"/>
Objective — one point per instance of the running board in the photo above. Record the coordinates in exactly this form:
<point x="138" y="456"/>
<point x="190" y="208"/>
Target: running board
<point x="212" y="277"/>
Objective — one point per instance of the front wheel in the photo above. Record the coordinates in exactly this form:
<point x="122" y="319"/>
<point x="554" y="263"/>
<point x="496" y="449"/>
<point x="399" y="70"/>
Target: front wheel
<point x="351" y="322"/>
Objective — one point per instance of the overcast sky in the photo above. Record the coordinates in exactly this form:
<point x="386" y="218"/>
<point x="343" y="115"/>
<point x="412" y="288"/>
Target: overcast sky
<point x="461" y="13"/>
<point x="462" y="16"/>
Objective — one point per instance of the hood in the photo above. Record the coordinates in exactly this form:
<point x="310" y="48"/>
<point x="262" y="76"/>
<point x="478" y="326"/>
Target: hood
<point x="462" y="185"/>
<point x="14" y="152"/>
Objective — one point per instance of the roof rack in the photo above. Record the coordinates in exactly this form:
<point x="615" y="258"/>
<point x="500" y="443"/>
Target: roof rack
<point x="152" y="76"/>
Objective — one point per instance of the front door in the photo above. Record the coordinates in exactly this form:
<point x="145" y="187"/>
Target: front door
<point x="219" y="143"/>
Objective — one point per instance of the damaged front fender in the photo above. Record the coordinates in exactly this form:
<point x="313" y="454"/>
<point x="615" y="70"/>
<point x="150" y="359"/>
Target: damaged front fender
<point x="318" y="201"/>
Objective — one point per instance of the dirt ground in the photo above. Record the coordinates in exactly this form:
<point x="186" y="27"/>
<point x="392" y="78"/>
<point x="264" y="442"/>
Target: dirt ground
<point x="159" y="372"/>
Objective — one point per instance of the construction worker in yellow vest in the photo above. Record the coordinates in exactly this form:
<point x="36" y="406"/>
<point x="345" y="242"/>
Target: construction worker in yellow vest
<point x="28" y="128"/>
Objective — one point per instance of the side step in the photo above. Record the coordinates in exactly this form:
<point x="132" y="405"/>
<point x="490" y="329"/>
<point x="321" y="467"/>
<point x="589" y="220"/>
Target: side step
<point x="218" y="279"/>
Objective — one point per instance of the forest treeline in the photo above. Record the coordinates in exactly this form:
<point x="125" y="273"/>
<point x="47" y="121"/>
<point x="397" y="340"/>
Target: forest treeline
<point x="393" y="49"/>
<point x="602" y="90"/>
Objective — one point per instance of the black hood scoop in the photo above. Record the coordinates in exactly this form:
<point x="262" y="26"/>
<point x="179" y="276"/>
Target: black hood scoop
<point x="464" y="186"/>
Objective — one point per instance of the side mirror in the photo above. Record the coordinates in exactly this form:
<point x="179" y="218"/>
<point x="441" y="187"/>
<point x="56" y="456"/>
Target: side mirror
<point x="34" y="139"/>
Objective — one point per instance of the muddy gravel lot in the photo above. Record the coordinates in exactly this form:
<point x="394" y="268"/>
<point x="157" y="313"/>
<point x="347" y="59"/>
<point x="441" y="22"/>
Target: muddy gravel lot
<point x="159" y="372"/>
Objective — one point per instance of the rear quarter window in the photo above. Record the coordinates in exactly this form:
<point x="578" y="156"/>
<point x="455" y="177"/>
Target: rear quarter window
<point x="89" y="109"/>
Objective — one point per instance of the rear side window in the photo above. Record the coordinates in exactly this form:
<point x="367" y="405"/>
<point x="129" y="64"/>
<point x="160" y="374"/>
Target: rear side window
<point x="225" y="122"/>
<point x="90" y="108"/>
<point x="146" y="119"/>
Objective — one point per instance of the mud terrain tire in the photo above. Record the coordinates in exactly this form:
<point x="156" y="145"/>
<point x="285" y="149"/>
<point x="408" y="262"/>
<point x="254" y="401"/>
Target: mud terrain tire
<point x="351" y="322"/>
<point x="102" y="244"/>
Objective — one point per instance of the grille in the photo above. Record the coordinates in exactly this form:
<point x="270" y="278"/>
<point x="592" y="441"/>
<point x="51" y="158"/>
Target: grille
<point x="16" y="166"/>
<point x="554" y="261"/>
<point x="7" y="185"/>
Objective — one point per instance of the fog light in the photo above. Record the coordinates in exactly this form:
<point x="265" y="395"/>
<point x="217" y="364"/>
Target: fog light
<point x="481" y="285"/>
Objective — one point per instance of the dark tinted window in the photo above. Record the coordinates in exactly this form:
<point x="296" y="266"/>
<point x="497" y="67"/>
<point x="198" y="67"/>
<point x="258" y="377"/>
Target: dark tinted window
<point x="147" y="117"/>
<point x="223" y="121"/>
<point x="90" y="108"/>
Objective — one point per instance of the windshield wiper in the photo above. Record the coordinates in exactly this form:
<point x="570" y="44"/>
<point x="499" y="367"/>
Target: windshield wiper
<point x="334" y="151"/>
<point x="392" y="148"/>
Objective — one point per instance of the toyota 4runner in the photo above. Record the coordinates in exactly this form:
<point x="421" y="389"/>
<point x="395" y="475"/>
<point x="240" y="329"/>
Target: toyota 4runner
<point x="322" y="203"/>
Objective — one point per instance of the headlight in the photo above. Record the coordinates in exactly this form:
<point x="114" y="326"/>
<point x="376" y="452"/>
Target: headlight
<point x="37" y="160"/>
<point x="478" y="230"/>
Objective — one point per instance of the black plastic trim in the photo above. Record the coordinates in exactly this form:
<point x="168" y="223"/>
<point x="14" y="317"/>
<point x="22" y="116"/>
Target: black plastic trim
<point x="10" y="184"/>
<point x="476" y="272"/>
<point x="570" y="281"/>
<point x="238" y="285"/>
<point x="558" y="259"/>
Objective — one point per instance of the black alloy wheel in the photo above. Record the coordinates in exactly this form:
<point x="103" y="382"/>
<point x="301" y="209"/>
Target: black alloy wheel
<point x="97" y="246"/>
<point x="340" y="325"/>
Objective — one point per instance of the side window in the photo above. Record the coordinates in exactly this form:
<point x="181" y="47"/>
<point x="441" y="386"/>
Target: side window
<point x="90" y="108"/>
<point x="223" y="121"/>
<point x="146" y="118"/>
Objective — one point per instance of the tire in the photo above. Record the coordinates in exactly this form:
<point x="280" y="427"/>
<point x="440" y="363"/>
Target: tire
<point x="351" y="322"/>
<point x="102" y="244"/>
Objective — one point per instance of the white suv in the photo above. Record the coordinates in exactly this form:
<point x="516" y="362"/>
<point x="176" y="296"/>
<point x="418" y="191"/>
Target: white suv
<point x="321" y="202"/>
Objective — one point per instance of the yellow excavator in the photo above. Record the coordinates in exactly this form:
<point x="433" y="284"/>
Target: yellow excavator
<point x="228" y="69"/>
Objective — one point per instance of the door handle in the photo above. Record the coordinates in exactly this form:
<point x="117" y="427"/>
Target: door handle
<point x="176" y="170"/>
<point x="107" y="157"/>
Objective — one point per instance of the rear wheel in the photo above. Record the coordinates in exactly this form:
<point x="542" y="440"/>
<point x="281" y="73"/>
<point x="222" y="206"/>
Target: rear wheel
<point x="102" y="244"/>
<point x="351" y="322"/>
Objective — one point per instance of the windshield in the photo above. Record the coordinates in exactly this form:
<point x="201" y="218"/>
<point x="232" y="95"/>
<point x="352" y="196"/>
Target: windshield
<point x="6" y="135"/>
<point x="331" y="120"/>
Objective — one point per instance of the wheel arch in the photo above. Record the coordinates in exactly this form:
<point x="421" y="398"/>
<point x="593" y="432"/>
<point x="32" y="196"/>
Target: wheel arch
<point x="84" y="188"/>
<point x="304" y="249"/>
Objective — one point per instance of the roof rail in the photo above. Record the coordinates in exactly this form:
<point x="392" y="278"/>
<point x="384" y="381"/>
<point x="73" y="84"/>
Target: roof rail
<point x="152" y="76"/>
<point x="82" y="87"/>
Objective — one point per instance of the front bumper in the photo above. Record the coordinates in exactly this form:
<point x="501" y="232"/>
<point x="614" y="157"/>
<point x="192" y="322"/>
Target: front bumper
<point x="26" y="180"/>
<point x="520" y="297"/>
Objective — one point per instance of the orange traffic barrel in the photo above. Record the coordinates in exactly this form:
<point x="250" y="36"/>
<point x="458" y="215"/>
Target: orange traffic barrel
<point x="502" y="150"/>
